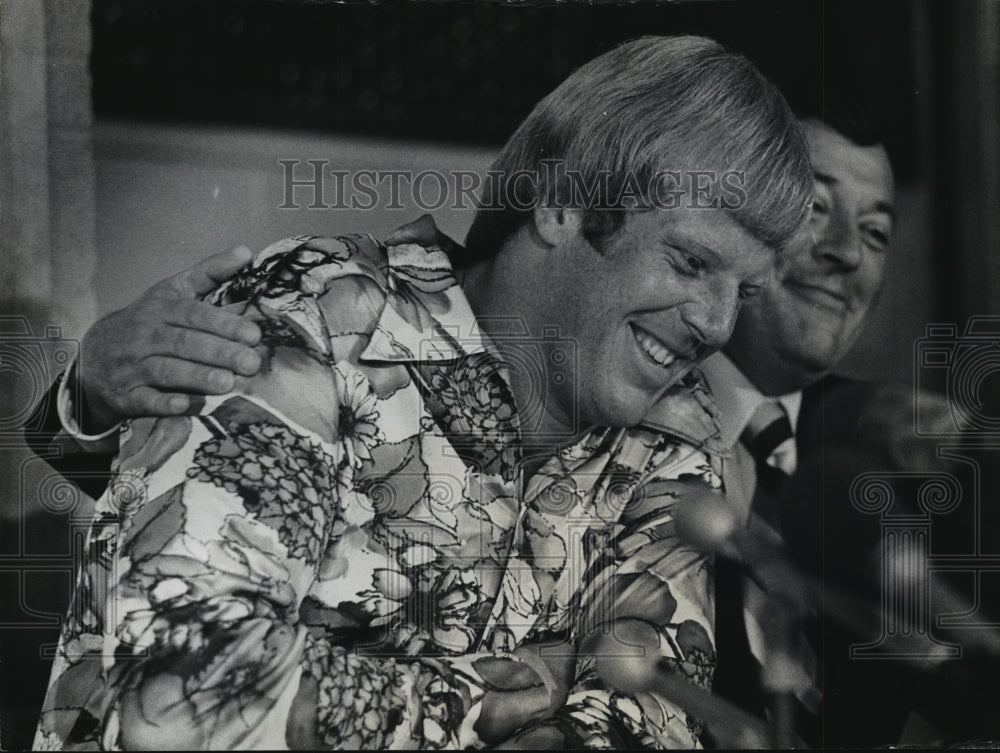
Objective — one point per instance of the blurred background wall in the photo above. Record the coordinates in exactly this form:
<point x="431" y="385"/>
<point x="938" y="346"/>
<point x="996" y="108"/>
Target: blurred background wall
<point x="169" y="195"/>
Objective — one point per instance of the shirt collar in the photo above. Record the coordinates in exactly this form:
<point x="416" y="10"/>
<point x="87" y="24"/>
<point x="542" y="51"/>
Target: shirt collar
<point x="426" y="317"/>
<point x="737" y="398"/>
<point x="689" y="411"/>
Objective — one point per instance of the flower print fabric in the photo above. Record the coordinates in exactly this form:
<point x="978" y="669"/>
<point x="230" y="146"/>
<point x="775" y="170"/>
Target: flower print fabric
<point x="343" y="553"/>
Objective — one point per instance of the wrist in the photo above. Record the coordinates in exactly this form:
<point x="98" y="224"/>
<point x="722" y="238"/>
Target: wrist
<point x="69" y="408"/>
<point x="96" y="417"/>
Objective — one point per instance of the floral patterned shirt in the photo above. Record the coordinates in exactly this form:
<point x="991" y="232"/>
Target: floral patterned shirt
<point x="345" y="551"/>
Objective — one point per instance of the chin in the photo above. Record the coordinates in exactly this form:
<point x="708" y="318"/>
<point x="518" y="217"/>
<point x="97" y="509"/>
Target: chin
<point x="811" y="363"/>
<point x="620" y="409"/>
<point x="812" y="343"/>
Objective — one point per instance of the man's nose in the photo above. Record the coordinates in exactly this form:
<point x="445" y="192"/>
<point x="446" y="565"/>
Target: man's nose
<point x="839" y="242"/>
<point x="712" y="317"/>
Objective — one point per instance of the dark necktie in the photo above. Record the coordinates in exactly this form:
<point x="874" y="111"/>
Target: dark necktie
<point x="738" y="677"/>
<point x="766" y="431"/>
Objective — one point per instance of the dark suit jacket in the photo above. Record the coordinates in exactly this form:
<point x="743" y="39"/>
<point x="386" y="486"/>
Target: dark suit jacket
<point x="24" y="666"/>
<point x="89" y="471"/>
<point x="867" y="701"/>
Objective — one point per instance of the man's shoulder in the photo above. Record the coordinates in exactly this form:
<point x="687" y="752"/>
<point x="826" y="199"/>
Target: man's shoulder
<point x="855" y="413"/>
<point x="689" y="412"/>
<point x="830" y="385"/>
<point x="303" y="265"/>
<point x="404" y="298"/>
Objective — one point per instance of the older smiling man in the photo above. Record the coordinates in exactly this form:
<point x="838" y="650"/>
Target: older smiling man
<point x="801" y="436"/>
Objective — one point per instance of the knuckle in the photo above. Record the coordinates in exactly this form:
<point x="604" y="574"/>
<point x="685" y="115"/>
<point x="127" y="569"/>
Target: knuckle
<point x="232" y="355"/>
<point x="144" y="373"/>
<point x="191" y="315"/>
<point x="138" y="399"/>
<point x="227" y="324"/>
<point x="153" y="304"/>
<point x="214" y="321"/>
<point x="230" y="325"/>
<point x="173" y="372"/>
<point x="182" y="341"/>
<point x="158" y="332"/>
<point x="115" y="380"/>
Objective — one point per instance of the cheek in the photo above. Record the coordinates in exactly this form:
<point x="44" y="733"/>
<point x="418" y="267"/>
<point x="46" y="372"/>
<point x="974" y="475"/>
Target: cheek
<point x="657" y="286"/>
<point x="794" y="256"/>
<point x="766" y="309"/>
<point x="870" y="280"/>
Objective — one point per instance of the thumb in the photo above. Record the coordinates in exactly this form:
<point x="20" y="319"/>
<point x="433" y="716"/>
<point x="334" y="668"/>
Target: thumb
<point x="423" y="231"/>
<point x="204" y="276"/>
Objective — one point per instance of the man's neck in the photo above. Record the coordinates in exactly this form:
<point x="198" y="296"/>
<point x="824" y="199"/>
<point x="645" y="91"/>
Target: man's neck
<point x="737" y="397"/>
<point x="783" y="379"/>
<point x="503" y="292"/>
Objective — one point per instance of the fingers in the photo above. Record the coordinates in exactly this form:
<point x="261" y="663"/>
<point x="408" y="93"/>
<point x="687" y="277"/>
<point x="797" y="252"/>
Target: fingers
<point x="204" y="317"/>
<point x="167" y="374"/>
<point x="422" y="230"/>
<point x="204" y="276"/>
<point x="162" y="391"/>
<point x="145" y="401"/>
<point x="206" y="349"/>
<point x="166" y="386"/>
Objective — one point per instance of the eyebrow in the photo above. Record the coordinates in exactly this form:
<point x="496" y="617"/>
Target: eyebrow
<point x="880" y="206"/>
<point x="680" y="235"/>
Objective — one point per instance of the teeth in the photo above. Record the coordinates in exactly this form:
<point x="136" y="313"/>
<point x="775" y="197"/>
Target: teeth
<point x="654" y="349"/>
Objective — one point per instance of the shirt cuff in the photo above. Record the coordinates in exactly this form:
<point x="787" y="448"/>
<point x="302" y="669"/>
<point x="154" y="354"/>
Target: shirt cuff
<point x="66" y="409"/>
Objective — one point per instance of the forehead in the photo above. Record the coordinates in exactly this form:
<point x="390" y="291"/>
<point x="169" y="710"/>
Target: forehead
<point x="713" y="232"/>
<point x="848" y="165"/>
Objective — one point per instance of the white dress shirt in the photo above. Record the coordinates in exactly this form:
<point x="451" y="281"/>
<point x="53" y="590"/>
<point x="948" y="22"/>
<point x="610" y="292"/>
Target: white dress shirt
<point x="738" y="399"/>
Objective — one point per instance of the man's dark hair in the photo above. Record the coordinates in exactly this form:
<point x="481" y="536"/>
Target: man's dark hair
<point x="846" y="109"/>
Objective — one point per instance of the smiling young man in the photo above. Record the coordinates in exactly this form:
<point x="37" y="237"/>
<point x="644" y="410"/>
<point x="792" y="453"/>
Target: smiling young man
<point x="362" y="544"/>
<point x="797" y="329"/>
<point x="659" y="294"/>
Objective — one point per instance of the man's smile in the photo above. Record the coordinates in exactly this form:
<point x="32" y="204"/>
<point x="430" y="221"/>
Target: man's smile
<point x="825" y="296"/>
<point x="654" y="348"/>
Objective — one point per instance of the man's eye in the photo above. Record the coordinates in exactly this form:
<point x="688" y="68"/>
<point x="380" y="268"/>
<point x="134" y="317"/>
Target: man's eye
<point x="877" y="238"/>
<point x="694" y="264"/>
<point x="748" y="292"/>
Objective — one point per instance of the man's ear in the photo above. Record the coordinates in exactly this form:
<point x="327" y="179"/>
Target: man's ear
<point x="557" y="225"/>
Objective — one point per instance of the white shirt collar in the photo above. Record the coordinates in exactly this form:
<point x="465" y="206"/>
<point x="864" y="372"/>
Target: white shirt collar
<point x="737" y="398"/>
